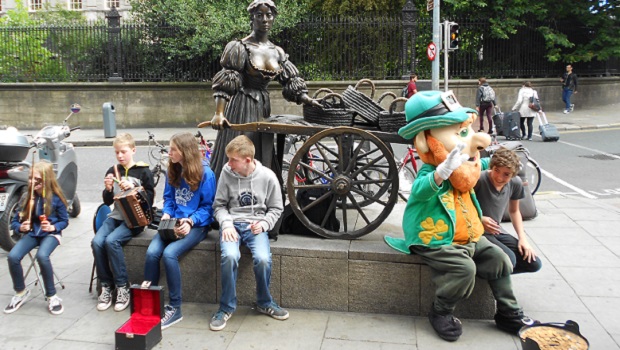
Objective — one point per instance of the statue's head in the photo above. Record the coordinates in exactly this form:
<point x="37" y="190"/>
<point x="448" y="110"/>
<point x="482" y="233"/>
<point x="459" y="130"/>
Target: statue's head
<point x="257" y="3"/>
<point x="262" y="14"/>
<point x="437" y="122"/>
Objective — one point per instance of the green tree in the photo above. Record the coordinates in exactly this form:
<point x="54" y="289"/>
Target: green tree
<point x="200" y="26"/>
<point x="574" y="31"/>
<point x="23" y="55"/>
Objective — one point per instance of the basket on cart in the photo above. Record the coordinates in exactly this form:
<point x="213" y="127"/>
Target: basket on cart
<point x="332" y="112"/>
<point x="391" y="121"/>
<point x="363" y="105"/>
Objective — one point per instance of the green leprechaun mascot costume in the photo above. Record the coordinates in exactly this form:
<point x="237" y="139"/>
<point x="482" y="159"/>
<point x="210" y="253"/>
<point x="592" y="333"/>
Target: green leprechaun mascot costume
<point x="442" y="220"/>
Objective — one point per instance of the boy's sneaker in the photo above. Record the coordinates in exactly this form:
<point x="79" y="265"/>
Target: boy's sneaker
<point x="513" y="321"/>
<point x="122" y="298"/>
<point x="218" y="320"/>
<point x="572" y="107"/>
<point x="172" y="315"/>
<point x="54" y="305"/>
<point x="274" y="311"/>
<point x="16" y="302"/>
<point x="447" y="326"/>
<point x="566" y="111"/>
<point x="105" y="298"/>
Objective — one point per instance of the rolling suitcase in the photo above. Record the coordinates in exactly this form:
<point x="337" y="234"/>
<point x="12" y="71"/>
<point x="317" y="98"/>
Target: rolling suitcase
<point x="498" y="121"/>
<point x="548" y="132"/>
<point x="511" y="126"/>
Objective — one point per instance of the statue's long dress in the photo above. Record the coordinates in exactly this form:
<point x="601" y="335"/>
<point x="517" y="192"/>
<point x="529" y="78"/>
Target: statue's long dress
<point x="244" y="85"/>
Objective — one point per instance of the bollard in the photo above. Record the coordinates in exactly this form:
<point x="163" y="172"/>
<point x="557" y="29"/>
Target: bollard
<point x="109" y="120"/>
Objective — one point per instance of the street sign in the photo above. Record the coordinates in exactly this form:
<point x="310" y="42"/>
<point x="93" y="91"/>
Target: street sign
<point x="431" y="51"/>
<point x="430" y="4"/>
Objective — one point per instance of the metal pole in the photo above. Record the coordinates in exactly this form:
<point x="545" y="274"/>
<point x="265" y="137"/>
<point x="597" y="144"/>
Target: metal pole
<point x="437" y="41"/>
<point x="446" y="44"/>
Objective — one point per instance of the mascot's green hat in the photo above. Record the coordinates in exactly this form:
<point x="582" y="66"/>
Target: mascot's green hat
<point x="432" y="109"/>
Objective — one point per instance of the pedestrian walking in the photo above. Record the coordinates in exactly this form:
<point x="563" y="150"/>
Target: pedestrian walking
<point x="569" y="87"/>
<point x="527" y="114"/>
<point x="485" y="103"/>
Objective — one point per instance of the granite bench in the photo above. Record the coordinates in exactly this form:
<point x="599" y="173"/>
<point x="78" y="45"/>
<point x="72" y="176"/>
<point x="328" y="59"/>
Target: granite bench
<point x="363" y="275"/>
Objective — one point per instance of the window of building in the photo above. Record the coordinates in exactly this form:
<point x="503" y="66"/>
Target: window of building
<point x="35" y="5"/>
<point x="75" y="4"/>
<point x="112" y="3"/>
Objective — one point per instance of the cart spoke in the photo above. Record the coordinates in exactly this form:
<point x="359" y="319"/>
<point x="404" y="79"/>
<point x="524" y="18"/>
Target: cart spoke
<point x="317" y="201"/>
<point x="311" y="186"/>
<point x="326" y="159"/>
<point x="368" y="196"/>
<point x="366" y="166"/>
<point x="315" y="170"/>
<point x="358" y="208"/>
<point x="331" y="208"/>
<point x="344" y="214"/>
<point x="355" y="155"/>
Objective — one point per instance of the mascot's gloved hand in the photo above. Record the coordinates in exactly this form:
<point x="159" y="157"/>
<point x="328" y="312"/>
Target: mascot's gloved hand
<point x="452" y="162"/>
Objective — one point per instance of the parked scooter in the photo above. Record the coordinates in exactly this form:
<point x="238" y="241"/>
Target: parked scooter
<point x="15" y="170"/>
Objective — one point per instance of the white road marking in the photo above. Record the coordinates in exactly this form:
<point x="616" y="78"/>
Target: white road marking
<point x="564" y="183"/>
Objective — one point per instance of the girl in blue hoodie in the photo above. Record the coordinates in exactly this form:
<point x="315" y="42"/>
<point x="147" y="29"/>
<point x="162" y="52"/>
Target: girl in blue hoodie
<point x="188" y="197"/>
<point x="40" y="221"/>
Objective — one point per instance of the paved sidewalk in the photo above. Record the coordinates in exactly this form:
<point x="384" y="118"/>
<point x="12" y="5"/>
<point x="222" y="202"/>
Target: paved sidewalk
<point x="577" y="239"/>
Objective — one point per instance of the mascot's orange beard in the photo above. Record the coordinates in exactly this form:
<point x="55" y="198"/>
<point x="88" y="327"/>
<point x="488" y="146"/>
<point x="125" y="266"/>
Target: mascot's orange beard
<point x="464" y="178"/>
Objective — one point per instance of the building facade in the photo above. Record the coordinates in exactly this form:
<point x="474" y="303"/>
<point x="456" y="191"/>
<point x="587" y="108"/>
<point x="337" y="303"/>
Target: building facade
<point x="91" y="9"/>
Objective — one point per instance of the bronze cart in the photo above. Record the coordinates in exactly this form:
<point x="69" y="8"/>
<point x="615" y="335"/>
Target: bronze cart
<point x="354" y="168"/>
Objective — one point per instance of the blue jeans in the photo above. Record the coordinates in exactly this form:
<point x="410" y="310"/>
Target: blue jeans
<point x="46" y="244"/>
<point x="566" y="94"/>
<point x="171" y="251"/>
<point x="108" y="251"/>
<point x="261" y="256"/>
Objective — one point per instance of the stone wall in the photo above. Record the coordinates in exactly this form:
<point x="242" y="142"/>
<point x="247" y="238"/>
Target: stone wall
<point x="29" y="105"/>
<point x="318" y="274"/>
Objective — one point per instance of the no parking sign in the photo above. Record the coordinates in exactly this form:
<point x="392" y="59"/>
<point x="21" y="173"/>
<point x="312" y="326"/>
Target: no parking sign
<point x="431" y="51"/>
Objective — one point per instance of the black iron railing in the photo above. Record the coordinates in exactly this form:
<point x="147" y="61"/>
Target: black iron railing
<point x="323" y="48"/>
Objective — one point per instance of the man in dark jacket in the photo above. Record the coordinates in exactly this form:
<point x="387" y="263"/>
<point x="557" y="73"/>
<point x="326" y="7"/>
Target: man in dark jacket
<point x="569" y="87"/>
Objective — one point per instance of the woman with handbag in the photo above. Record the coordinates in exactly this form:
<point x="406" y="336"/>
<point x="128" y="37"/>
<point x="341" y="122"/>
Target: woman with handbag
<point x="188" y="197"/>
<point x="523" y="106"/>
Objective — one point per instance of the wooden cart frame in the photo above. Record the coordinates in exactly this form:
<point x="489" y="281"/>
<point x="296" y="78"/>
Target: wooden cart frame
<point x="351" y="162"/>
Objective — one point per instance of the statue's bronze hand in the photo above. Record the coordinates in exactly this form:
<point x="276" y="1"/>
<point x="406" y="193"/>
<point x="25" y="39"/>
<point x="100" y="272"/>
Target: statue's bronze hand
<point x="219" y="122"/>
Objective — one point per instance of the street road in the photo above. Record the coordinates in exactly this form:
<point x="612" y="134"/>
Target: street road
<point x="585" y="162"/>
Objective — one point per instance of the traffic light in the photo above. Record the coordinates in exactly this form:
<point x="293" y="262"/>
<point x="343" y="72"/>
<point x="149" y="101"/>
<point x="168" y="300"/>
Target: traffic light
<point x="454" y="36"/>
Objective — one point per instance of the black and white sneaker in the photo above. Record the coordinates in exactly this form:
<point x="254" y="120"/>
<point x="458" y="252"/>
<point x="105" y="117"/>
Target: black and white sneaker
<point x="16" y="302"/>
<point x="105" y="298"/>
<point x="572" y="107"/>
<point x="122" y="298"/>
<point x="54" y="305"/>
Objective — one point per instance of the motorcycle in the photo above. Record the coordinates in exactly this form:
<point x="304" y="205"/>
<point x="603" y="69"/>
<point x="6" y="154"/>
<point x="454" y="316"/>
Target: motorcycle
<point x="15" y="170"/>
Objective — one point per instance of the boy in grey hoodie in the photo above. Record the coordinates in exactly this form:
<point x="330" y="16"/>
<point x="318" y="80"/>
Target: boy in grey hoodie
<point x="248" y="203"/>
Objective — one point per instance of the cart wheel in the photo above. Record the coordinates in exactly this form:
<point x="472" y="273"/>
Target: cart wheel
<point x="339" y="164"/>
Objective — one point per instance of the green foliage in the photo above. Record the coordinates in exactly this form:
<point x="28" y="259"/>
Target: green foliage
<point x="342" y="7"/>
<point x="201" y="26"/>
<point x="24" y="56"/>
<point x="584" y="30"/>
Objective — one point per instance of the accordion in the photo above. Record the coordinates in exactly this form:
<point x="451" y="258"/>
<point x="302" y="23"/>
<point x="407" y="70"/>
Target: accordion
<point x="134" y="207"/>
<point x="166" y="230"/>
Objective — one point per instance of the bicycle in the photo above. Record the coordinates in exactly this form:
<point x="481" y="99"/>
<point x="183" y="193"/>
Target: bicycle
<point x="158" y="155"/>
<point x="206" y="146"/>
<point x="407" y="171"/>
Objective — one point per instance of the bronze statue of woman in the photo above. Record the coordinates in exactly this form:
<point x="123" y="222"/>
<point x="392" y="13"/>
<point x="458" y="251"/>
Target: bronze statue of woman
<point x="241" y="94"/>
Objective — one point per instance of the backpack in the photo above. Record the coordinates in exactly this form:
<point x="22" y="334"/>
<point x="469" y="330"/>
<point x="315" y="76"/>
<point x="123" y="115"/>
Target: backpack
<point x="488" y="94"/>
<point x="292" y="225"/>
<point x="405" y="91"/>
